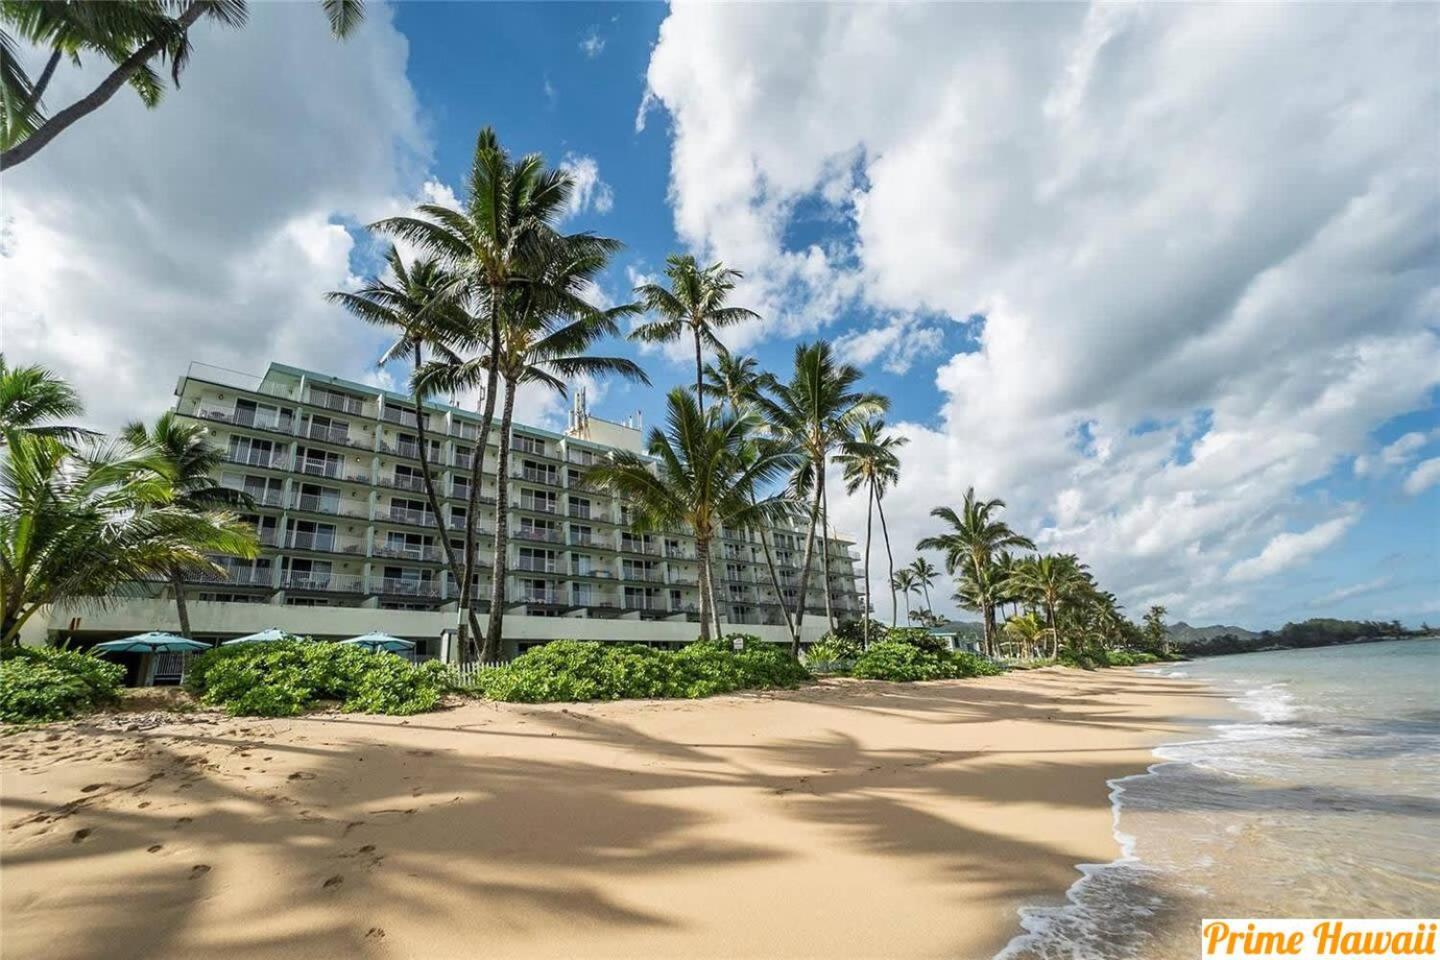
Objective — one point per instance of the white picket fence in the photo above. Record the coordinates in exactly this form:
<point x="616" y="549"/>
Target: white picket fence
<point x="467" y="671"/>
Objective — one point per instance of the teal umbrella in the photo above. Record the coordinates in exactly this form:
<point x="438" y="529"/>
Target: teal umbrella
<point x="382" y="641"/>
<point x="268" y="635"/>
<point x="152" y="642"/>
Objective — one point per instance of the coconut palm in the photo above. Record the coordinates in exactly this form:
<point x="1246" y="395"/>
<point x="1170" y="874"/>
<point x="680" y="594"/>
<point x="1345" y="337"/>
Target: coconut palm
<point x="974" y="537"/>
<point x="78" y="527"/>
<point x="1027" y="631"/>
<point x="869" y="459"/>
<point x="704" y="475"/>
<point x="511" y="207"/>
<point x="546" y="340"/>
<point x="925" y="574"/>
<point x="420" y="303"/>
<point x="1052" y="581"/>
<point x="694" y="301"/>
<point x="815" y="411"/>
<point x="31" y="397"/>
<point x="130" y="34"/>
<point x="903" y="580"/>
<point x="190" y="463"/>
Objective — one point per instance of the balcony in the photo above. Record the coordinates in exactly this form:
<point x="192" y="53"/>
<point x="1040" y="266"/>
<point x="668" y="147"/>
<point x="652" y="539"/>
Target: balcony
<point x="534" y="565"/>
<point x="334" y="469"/>
<point x="597" y="572"/>
<point x="407" y="587"/>
<point x="657" y="604"/>
<point x="548" y="477"/>
<point x="419" y="518"/>
<point x="321" y="582"/>
<point x="270" y="459"/>
<point x="321" y="543"/>
<point x="403" y="481"/>
<point x="336" y="401"/>
<point x="405" y="418"/>
<point x="335" y="507"/>
<point x="248" y="418"/>
<point x="531" y="446"/>
<point x="642" y="574"/>
<point x="532" y="595"/>
<point x="260" y="498"/>
<point x="588" y="540"/>
<point x="423" y="553"/>
<point x="330" y="434"/>
<point x="542" y="534"/>
<point x="464" y="430"/>
<point x="683" y="579"/>
<point x="536" y="505"/>
<point x="679" y="553"/>
<point x="577" y="512"/>
<point x="585" y="458"/>
<point x="637" y="546"/>
<point x="235" y="576"/>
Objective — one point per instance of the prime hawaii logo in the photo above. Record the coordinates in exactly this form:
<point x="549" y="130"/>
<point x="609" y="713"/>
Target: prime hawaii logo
<point x="1315" y="938"/>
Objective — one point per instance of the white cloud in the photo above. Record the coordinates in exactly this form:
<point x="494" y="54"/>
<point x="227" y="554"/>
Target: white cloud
<point x="897" y="344"/>
<point x="1353" y="590"/>
<point x="593" y="44"/>
<point x="1425" y="475"/>
<point x="1197" y="300"/>
<point x="1286" y="550"/>
<point x="210" y="228"/>
<point x="591" y="193"/>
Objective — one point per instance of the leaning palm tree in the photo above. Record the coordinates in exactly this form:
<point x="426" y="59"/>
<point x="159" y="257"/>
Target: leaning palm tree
<point x="420" y="303"/>
<point x="705" y="473"/>
<point x="814" y="412"/>
<point x="1027" y="631"/>
<point x="694" y="301"/>
<point x="546" y="341"/>
<point x="925" y="574"/>
<point x="31" y="398"/>
<point x="78" y="527"/>
<point x="868" y="460"/>
<point x="190" y="463"/>
<point x="130" y="34"/>
<point x="903" y="580"/>
<point x="975" y="535"/>
<point x="511" y="207"/>
<point x="1052" y="581"/>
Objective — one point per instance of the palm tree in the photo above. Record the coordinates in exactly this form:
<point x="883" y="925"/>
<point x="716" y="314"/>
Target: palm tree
<point x="130" y="34"/>
<point x="546" y="340"/>
<point x="1026" y="631"/>
<point x="511" y="207"/>
<point x="868" y="459"/>
<point x="705" y="473"/>
<point x="975" y="536"/>
<point x="904" y="581"/>
<point x="31" y="397"/>
<point x="925" y="574"/>
<point x="695" y="300"/>
<point x="1051" y="581"/>
<point x="420" y="305"/>
<point x="190" y="464"/>
<point x="79" y="526"/>
<point x="815" y="411"/>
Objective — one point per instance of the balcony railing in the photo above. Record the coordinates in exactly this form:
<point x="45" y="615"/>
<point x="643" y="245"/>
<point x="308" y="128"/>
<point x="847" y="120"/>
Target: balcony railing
<point x="537" y="506"/>
<point x="320" y="542"/>
<point x="237" y="576"/>
<point x="587" y="540"/>
<point x="537" y="566"/>
<point x="248" y="418"/>
<point x="643" y="574"/>
<point x="260" y="498"/>
<point x="547" y="477"/>
<point x="599" y="572"/>
<point x="335" y="401"/>
<point x="679" y="553"/>
<point x="402" y="481"/>
<point x="528" y="445"/>
<point x="407" y="551"/>
<point x="537" y="533"/>
<point x="645" y="603"/>
<point x="582" y="513"/>
<point x="328" y="582"/>
<point x="321" y="468"/>
<point x="683" y="579"/>
<point x="637" y="546"/>
<point x="539" y="596"/>
<point x="406" y="418"/>
<point x="585" y="458"/>
<point x="329" y="434"/>
<point x="420" y="518"/>
<point x="271" y="459"/>
<point x="407" y="587"/>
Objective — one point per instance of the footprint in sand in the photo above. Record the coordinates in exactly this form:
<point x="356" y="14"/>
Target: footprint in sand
<point x="334" y="881"/>
<point x="155" y="848"/>
<point x="80" y="835"/>
<point x="301" y="776"/>
<point x="91" y="788"/>
<point x="199" y="870"/>
<point x="184" y="820"/>
<point x="144" y="804"/>
<point x="375" y="933"/>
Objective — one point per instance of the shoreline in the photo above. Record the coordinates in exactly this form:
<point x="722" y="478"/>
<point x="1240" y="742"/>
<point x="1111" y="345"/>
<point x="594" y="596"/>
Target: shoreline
<point x="850" y="818"/>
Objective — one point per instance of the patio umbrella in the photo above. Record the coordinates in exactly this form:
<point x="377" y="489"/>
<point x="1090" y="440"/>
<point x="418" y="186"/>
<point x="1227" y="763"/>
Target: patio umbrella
<point x="268" y="635"/>
<point x="381" y="641"/>
<point x="152" y="642"/>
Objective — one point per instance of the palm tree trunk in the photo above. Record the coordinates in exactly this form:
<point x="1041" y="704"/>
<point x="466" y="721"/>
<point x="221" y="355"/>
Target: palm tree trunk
<point x="885" y="531"/>
<point x="491" y="649"/>
<point x="775" y="582"/>
<point x="466" y="613"/>
<point x="702" y="553"/>
<point x="699" y="374"/>
<point x="177" y="583"/>
<point x="825" y="543"/>
<point x="869" y="525"/>
<point x="805" y="573"/>
<point x="96" y="98"/>
<point x="428" y="476"/>
<point x="1054" y="630"/>
<point x="926" y="587"/>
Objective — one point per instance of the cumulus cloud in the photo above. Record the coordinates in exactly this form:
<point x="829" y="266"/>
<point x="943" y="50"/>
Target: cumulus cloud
<point x="591" y="193"/>
<point x="1425" y="475"/>
<point x="593" y="43"/>
<point x="210" y="228"/>
<point x="1196" y="300"/>
<point x="896" y="344"/>
<point x="1286" y="550"/>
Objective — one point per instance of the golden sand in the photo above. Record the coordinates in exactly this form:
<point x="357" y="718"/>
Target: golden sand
<point x="849" y="819"/>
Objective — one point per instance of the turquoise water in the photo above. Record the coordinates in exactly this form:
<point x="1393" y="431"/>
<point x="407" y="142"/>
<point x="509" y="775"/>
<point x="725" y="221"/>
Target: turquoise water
<point x="1319" y="797"/>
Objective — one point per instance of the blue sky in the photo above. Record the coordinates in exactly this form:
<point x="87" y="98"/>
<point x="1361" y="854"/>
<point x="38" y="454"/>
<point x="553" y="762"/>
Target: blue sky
<point x="1185" y="330"/>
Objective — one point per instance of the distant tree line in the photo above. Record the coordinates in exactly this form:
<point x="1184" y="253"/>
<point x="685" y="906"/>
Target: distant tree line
<point x="1316" y="632"/>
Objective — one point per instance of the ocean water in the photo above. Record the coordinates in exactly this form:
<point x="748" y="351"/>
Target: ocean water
<point x="1320" y="798"/>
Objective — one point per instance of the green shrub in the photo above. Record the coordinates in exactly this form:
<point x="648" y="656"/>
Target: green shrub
<point x="918" y="637"/>
<point x="40" y="684"/>
<point x="572" y="670"/>
<point x="287" y="677"/>
<point x="904" y="661"/>
<point x="969" y="664"/>
<point x="834" y="648"/>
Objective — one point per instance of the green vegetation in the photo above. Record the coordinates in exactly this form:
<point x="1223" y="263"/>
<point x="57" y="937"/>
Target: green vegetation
<point x="1316" y="632"/>
<point x="571" y="670"/>
<point x="39" y="684"/>
<point x="1097" y="657"/>
<point x="288" y="677"/>
<point x="900" y="659"/>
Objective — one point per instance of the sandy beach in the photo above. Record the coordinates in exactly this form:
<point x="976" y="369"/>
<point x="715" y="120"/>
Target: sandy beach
<point x="848" y="819"/>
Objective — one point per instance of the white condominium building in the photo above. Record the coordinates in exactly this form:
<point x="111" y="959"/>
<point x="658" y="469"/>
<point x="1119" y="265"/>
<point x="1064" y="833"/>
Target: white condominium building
<point x="350" y="543"/>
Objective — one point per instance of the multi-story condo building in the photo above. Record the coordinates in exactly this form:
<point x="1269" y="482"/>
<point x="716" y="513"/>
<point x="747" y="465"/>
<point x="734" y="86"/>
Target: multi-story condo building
<point x="350" y="543"/>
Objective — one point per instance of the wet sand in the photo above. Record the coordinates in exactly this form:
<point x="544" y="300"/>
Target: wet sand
<point x="849" y="819"/>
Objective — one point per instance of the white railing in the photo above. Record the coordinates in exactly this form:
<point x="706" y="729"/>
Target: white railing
<point x="406" y="587"/>
<point x="335" y="401"/>
<point x="537" y="533"/>
<point x="328" y="582"/>
<point x="406" y="515"/>
<point x="259" y="458"/>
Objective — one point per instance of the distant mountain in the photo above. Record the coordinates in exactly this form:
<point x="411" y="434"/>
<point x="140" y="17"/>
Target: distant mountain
<point x="1316" y="632"/>
<point x="1184" y="635"/>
